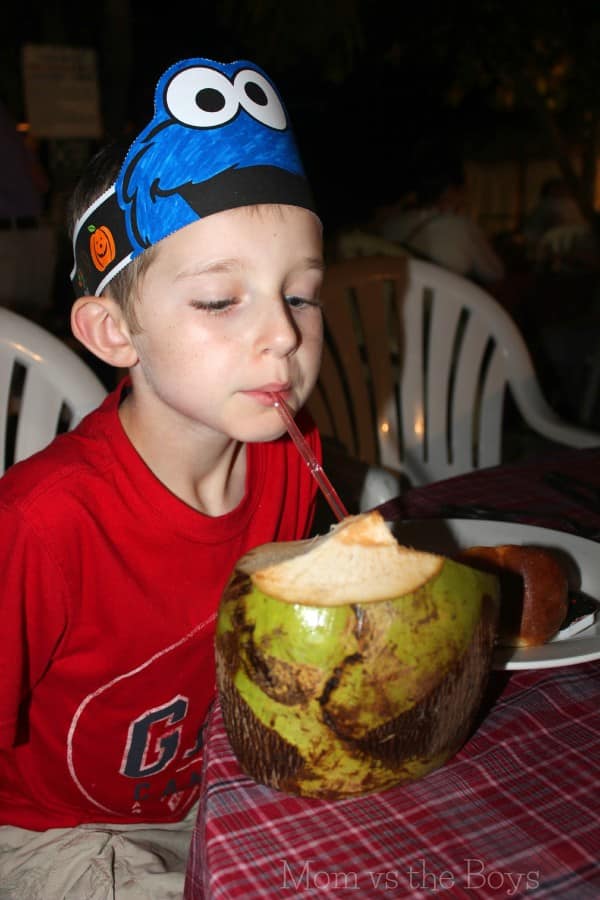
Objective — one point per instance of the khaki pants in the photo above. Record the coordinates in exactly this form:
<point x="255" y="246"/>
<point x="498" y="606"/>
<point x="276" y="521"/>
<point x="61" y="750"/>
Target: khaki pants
<point x="96" y="862"/>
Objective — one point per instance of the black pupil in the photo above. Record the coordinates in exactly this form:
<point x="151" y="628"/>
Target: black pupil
<point x="210" y="100"/>
<point x="256" y="93"/>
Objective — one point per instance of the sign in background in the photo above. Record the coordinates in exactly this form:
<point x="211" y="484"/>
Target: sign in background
<point x="61" y="91"/>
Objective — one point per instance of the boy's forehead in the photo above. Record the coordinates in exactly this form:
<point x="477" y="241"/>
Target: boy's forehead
<point x="223" y="235"/>
<point x="220" y="139"/>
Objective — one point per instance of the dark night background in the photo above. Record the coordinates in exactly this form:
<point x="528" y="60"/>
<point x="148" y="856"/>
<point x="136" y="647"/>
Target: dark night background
<point x="373" y="89"/>
<point x="368" y="84"/>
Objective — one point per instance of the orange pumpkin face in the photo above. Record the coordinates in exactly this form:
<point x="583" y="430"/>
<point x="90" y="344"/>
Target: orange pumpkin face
<point x="102" y="246"/>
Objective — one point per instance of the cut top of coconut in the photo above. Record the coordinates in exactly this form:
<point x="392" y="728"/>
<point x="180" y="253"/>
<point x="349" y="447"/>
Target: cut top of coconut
<point x="359" y="560"/>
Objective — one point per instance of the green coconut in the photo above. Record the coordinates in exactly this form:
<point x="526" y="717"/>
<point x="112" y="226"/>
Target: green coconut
<point x="349" y="663"/>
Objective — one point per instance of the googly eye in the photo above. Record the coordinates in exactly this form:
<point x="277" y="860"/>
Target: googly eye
<point x="201" y="97"/>
<point x="259" y="99"/>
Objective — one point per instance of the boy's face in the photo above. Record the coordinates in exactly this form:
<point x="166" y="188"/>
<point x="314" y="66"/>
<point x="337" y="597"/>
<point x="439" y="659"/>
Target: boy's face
<point x="228" y="311"/>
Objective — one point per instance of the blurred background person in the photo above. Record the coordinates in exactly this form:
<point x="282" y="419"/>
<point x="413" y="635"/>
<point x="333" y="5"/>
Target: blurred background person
<point x="27" y="245"/>
<point x="436" y="225"/>
<point x="555" y="233"/>
<point x="554" y="207"/>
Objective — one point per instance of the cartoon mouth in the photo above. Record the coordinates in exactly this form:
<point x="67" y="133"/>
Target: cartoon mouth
<point x="245" y="186"/>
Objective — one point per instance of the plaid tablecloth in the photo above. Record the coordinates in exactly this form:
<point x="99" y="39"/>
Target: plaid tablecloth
<point x="560" y="490"/>
<point x="516" y="813"/>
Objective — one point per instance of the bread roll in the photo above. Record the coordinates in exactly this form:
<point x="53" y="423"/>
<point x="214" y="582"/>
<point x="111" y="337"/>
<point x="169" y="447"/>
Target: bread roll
<point x="533" y="590"/>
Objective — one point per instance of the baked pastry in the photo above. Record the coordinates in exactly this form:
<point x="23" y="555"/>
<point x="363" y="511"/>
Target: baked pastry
<point x="534" y="591"/>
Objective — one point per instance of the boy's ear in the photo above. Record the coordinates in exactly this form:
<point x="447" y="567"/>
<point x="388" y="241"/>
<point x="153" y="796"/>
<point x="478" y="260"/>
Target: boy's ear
<point x="99" y="324"/>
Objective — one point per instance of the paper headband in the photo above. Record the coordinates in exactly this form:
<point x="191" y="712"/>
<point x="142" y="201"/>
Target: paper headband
<point x="220" y="138"/>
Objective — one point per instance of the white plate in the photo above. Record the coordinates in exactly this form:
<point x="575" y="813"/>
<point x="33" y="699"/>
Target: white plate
<point x="581" y="556"/>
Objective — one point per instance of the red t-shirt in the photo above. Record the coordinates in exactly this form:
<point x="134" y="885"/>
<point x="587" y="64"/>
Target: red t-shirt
<point x="110" y="586"/>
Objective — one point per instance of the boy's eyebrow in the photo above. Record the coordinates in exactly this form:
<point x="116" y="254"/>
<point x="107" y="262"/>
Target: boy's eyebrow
<point x="230" y="265"/>
<point x="221" y="265"/>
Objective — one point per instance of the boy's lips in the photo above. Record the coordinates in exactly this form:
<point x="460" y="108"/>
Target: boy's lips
<point x="264" y="393"/>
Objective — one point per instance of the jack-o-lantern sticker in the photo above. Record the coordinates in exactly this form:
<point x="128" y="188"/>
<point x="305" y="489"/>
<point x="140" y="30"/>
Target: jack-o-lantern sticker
<point x="102" y="246"/>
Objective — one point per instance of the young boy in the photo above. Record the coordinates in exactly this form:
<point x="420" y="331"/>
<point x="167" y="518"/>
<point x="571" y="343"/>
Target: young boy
<point x="198" y="264"/>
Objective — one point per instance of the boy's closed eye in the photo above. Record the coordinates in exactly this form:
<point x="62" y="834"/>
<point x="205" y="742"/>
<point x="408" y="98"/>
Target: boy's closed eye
<point x="215" y="306"/>
<point x="226" y="304"/>
<point x="300" y="302"/>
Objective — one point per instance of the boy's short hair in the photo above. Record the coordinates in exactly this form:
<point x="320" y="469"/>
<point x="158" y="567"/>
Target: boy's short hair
<point x="99" y="174"/>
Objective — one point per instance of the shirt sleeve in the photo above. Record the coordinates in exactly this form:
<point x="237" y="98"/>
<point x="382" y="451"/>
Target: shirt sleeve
<point x="32" y="611"/>
<point x="485" y="263"/>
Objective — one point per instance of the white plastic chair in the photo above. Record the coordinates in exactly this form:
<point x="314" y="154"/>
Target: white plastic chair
<point x="416" y="364"/>
<point x="563" y="240"/>
<point x="45" y="387"/>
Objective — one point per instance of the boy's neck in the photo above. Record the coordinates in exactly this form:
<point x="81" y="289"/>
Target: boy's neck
<point x="209" y="476"/>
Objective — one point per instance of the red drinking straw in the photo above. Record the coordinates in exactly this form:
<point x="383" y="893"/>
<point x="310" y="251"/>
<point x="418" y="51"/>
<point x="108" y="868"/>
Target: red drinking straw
<point x="314" y="466"/>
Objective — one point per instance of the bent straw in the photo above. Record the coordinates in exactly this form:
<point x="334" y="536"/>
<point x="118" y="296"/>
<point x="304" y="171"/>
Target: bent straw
<point x="314" y="466"/>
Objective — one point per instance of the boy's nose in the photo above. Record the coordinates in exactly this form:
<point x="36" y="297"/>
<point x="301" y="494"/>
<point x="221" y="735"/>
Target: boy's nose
<point x="278" y="332"/>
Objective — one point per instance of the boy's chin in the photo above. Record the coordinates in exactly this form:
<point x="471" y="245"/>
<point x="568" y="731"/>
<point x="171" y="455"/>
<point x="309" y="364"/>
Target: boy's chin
<point x="257" y="425"/>
<point x="260" y="434"/>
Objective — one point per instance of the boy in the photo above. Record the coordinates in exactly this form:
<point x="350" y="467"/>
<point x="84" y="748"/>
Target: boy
<point x="198" y="270"/>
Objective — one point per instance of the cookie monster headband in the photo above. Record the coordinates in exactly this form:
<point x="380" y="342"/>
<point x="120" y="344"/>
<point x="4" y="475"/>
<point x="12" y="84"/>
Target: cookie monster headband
<point x="220" y="138"/>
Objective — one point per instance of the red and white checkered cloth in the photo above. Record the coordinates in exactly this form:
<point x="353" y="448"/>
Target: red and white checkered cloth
<point x="515" y="813"/>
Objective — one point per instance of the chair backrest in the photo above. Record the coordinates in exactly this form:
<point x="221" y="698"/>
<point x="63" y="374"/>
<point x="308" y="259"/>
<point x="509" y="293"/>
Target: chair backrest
<point x="563" y="239"/>
<point x="45" y="388"/>
<point x="415" y="368"/>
